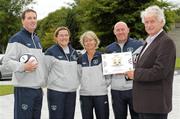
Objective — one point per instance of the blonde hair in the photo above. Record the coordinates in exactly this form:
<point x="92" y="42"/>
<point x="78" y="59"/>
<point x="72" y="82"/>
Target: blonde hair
<point x="89" y="34"/>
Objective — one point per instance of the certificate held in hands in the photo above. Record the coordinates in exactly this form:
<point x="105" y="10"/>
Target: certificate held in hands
<point x="117" y="63"/>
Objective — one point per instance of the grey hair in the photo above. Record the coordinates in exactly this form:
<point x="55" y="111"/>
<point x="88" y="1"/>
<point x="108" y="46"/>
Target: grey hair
<point x="89" y="34"/>
<point x="155" y="10"/>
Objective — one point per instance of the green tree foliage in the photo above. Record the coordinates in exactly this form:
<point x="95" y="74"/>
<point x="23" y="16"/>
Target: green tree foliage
<point x="101" y="15"/>
<point x="177" y="12"/>
<point x="10" y="22"/>
<point x="61" y="17"/>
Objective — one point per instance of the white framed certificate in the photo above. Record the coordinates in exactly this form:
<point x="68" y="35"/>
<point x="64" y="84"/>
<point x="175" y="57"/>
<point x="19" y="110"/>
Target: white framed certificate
<point x="117" y="63"/>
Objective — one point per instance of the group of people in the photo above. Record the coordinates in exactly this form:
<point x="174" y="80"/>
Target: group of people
<point x="146" y="90"/>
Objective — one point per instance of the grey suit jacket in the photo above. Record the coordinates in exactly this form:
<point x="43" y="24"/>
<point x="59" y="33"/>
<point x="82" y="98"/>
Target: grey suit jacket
<point x="153" y="77"/>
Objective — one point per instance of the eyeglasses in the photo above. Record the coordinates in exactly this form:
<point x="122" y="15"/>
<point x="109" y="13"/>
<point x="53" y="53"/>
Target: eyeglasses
<point x="63" y="35"/>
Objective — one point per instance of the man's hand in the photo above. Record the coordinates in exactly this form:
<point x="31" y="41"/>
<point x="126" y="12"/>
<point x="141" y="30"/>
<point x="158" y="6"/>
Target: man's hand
<point x="30" y="66"/>
<point x="130" y="74"/>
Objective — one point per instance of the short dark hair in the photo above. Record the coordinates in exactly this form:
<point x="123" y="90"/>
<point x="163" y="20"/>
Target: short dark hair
<point x="26" y="11"/>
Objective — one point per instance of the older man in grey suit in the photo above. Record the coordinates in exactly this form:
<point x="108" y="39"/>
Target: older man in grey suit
<point x="153" y="75"/>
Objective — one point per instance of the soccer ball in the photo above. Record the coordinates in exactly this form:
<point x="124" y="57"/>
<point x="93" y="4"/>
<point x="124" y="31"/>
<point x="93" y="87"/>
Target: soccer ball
<point x="28" y="57"/>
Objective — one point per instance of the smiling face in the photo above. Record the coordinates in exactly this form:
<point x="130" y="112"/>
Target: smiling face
<point x="121" y="31"/>
<point x="89" y="43"/>
<point x="30" y="21"/>
<point x="152" y="24"/>
<point x="63" y="38"/>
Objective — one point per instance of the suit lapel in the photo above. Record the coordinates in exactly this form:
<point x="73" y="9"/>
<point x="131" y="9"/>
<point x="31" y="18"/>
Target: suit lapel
<point x="141" y="51"/>
<point x="150" y="48"/>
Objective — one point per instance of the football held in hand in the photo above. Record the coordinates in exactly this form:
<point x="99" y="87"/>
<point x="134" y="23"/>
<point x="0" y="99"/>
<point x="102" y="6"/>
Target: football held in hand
<point x="28" y="57"/>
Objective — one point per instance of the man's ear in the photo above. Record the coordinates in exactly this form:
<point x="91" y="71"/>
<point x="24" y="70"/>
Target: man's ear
<point x="114" y="31"/>
<point x="128" y="30"/>
<point x="22" y="21"/>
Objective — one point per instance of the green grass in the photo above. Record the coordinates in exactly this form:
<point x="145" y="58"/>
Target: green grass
<point x="177" y="63"/>
<point x="6" y="89"/>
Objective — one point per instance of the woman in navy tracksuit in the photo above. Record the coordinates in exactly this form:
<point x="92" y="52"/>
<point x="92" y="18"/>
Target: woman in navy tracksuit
<point x="62" y="80"/>
<point x="93" y="90"/>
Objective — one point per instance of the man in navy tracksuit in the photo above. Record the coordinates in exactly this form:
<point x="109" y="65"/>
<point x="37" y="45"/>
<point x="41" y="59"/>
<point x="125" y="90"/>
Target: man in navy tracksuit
<point x="28" y="78"/>
<point x="121" y="88"/>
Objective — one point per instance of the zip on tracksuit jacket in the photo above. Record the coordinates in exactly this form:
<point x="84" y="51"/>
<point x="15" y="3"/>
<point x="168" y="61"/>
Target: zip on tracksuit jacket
<point x="62" y="69"/>
<point x="118" y="81"/>
<point x="24" y="42"/>
<point x="92" y="81"/>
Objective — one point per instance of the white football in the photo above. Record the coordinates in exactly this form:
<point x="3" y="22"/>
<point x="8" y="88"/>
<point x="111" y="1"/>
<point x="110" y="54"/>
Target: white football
<point x="28" y="57"/>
